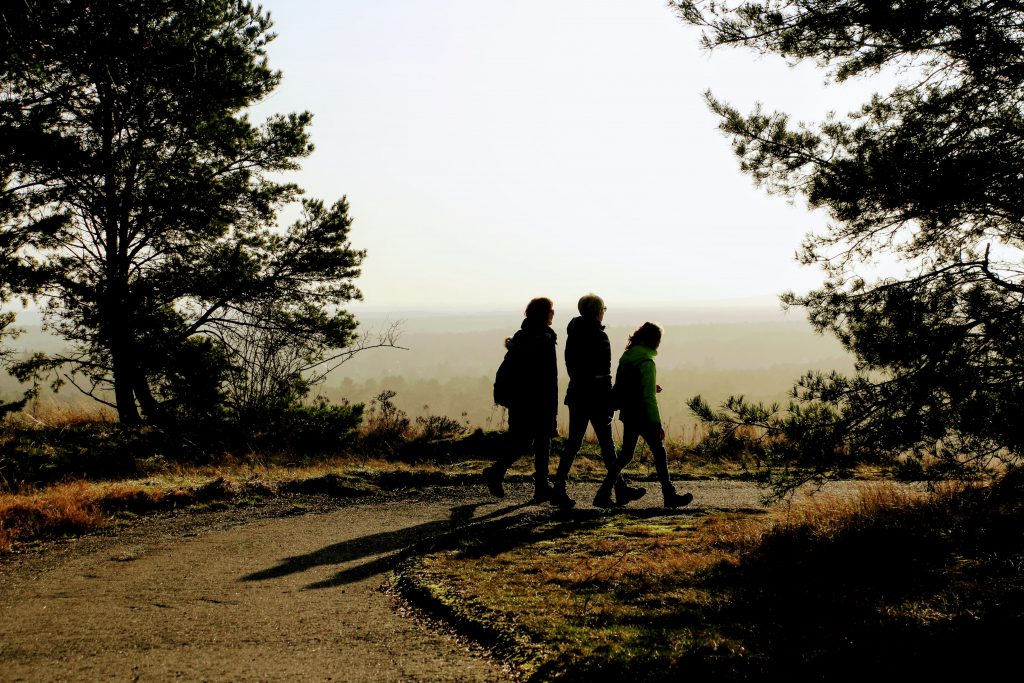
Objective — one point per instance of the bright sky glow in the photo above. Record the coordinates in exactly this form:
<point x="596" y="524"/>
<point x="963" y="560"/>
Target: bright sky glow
<point x="493" y="152"/>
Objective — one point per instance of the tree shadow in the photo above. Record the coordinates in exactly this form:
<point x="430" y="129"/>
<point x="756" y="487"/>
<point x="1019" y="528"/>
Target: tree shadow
<point x="394" y="546"/>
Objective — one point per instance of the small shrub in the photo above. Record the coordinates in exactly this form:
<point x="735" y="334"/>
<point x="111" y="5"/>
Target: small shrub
<point x="433" y="427"/>
<point x="322" y="427"/>
<point x="42" y="454"/>
<point x="315" y="428"/>
<point x="909" y="468"/>
<point x="739" y="445"/>
<point x="386" y="426"/>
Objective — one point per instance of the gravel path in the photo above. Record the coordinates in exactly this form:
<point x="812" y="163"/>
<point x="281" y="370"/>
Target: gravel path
<point x="288" y="592"/>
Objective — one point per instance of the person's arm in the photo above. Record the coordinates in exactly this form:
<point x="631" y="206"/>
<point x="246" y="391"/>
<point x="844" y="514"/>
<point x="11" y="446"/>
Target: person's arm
<point x="604" y="355"/>
<point x="572" y="360"/>
<point x="649" y="390"/>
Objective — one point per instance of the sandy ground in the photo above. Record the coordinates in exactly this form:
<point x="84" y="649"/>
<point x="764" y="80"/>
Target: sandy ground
<point x="287" y="592"/>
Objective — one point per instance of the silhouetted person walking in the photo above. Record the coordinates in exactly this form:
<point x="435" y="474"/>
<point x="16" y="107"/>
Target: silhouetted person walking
<point x="636" y="395"/>
<point x="532" y="399"/>
<point x="588" y="358"/>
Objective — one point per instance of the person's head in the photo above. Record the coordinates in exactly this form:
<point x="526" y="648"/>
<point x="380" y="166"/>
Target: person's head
<point x="648" y="334"/>
<point x="591" y="306"/>
<point x="540" y="310"/>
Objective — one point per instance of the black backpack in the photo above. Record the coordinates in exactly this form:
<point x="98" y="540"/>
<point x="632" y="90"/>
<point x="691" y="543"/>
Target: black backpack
<point x="506" y="380"/>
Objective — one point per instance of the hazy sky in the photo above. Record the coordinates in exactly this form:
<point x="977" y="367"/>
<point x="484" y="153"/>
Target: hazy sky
<point x="493" y="152"/>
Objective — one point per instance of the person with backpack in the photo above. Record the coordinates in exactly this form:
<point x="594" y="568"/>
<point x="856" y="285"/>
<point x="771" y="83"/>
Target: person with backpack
<point x="588" y="358"/>
<point x="635" y="394"/>
<point x="527" y="384"/>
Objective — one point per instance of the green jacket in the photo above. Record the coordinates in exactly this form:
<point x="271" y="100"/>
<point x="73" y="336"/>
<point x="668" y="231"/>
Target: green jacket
<point x="635" y="389"/>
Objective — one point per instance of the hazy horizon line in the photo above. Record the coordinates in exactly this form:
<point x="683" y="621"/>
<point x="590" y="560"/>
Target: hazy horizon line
<point x="732" y="310"/>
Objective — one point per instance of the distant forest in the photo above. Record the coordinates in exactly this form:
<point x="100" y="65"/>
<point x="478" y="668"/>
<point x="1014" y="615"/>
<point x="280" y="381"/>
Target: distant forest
<point x="445" y="371"/>
<point x="451" y="373"/>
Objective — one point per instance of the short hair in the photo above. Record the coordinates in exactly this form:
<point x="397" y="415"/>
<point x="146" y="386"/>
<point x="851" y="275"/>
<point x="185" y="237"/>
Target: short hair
<point x="590" y="305"/>
<point x="648" y="334"/>
<point x="539" y="308"/>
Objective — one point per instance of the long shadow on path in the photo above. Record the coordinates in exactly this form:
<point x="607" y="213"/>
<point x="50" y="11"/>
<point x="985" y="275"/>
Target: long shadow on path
<point x="393" y="547"/>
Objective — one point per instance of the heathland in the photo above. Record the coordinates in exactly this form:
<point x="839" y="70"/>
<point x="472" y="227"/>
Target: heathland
<point x="448" y="361"/>
<point x="730" y="590"/>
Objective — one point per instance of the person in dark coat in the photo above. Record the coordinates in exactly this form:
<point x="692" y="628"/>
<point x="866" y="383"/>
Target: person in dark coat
<point x="588" y="358"/>
<point x="636" y="393"/>
<point x="534" y="407"/>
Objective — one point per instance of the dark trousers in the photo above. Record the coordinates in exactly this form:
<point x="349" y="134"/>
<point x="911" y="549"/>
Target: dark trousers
<point x="527" y="434"/>
<point x="631" y="434"/>
<point x="581" y="415"/>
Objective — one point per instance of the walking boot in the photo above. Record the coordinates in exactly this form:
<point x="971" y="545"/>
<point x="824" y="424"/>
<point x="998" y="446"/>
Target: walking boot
<point x="542" y="490"/>
<point x="603" y="499"/>
<point x="559" y="497"/>
<point x="493" y="477"/>
<point x="625" y="494"/>
<point x="676" y="500"/>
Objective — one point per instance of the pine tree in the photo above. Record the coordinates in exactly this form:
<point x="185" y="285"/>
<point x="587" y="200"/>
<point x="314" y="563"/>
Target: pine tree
<point x="147" y="198"/>
<point x="930" y="173"/>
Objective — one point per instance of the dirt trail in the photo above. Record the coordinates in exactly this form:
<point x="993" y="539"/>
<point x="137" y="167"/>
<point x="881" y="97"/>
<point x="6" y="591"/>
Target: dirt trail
<point x="252" y="595"/>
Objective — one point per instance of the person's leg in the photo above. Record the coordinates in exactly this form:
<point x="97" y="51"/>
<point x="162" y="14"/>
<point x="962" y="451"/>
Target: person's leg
<point x="516" y="443"/>
<point x="630" y="435"/>
<point x="578" y="417"/>
<point x="542" y="491"/>
<point x="601" y="419"/>
<point x="660" y="455"/>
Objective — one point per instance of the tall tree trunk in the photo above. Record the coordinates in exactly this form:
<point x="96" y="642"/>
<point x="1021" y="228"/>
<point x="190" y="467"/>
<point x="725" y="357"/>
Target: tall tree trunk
<point x="117" y="334"/>
<point x="150" y="406"/>
<point x="124" y="370"/>
<point x="115" y="316"/>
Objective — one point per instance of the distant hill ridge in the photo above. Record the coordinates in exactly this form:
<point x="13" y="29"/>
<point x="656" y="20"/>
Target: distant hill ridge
<point x="450" y="362"/>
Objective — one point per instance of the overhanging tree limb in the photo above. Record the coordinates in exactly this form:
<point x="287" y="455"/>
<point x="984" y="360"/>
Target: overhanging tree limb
<point x="926" y="173"/>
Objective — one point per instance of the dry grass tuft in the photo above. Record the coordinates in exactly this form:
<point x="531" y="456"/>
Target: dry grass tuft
<point x="829" y="512"/>
<point x="55" y="511"/>
<point x="60" y="415"/>
<point x="32" y="514"/>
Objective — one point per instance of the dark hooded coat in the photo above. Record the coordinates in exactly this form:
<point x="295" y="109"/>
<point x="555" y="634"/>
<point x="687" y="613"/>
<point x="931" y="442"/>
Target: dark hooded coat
<point x="535" y="406"/>
<point x="588" y="358"/>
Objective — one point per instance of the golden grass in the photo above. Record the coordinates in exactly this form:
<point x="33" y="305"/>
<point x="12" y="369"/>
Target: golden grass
<point x="60" y="509"/>
<point x="47" y="414"/>
<point x="563" y="591"/>
<point x="73" y="508"/>
<point x="826" y="511"/>
<point x="83" y="506"/>
<point x="658" y="593"/>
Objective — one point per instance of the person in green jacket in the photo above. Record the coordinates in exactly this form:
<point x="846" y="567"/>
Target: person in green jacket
<point x="635" y="394"/>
